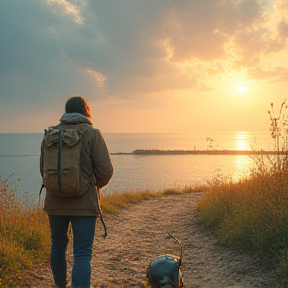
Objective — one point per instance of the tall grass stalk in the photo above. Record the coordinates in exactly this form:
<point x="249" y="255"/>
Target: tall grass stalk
<point x="252" y="214"/>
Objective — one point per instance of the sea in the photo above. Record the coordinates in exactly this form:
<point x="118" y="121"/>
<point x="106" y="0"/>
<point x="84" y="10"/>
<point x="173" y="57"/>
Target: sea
<point x="19" y="159"/>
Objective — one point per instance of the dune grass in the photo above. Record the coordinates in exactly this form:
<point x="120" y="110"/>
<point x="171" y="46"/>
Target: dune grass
<point x="252" y="214"/>
<point x="25" y="234"/>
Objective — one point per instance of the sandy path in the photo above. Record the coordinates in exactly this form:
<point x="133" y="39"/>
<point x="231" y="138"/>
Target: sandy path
<point x="138" y="234"/>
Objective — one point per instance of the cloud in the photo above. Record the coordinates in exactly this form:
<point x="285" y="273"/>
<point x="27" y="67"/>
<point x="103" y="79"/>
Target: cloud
<point x="127" y="49"/>
<point x="34" y="65"/>
<point x="65" y="7"/>
<point x="256" y="44"/>
<point x="283" y="30"/>
<point x="281" y="6"/>
<point x="278" y="73"/>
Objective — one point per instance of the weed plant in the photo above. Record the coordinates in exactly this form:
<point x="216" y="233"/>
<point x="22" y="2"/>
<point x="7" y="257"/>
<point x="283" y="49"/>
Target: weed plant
<point x="252" y="214"/>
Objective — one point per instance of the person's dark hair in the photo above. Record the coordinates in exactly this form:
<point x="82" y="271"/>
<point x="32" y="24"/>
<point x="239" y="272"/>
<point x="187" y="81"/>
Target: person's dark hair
<point x="77" y="104"/>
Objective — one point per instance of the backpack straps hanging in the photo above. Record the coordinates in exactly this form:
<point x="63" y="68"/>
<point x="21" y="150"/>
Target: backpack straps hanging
<point x="104" y="226"/>
<point x="98" y="193"/>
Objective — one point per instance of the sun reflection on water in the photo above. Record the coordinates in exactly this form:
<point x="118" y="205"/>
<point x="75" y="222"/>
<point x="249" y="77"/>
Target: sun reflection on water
<point x="242" y="166"/>
<point x="242" y="141"/>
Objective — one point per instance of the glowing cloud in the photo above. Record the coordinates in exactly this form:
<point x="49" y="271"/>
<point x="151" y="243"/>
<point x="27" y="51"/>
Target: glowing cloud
<point x="67" y="8"/>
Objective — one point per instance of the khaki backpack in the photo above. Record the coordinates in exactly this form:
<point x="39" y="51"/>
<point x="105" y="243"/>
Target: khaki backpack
<point x="62" y="174"/>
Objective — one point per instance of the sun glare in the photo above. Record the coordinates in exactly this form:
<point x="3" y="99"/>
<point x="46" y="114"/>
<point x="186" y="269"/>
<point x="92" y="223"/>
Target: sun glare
<point x="242" y="141"/>
<point x="241" y="89"/>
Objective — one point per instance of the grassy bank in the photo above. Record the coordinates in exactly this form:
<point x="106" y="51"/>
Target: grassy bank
<point x="24" y="229"/>
<point x="24" y="236"/>
<point x="252" y="214"/>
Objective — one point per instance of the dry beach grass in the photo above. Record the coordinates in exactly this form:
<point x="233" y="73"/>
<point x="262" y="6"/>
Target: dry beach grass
<point x="138" y="234"/>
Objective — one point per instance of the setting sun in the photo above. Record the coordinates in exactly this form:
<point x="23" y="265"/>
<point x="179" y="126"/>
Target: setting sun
<point x="241" y="89"/>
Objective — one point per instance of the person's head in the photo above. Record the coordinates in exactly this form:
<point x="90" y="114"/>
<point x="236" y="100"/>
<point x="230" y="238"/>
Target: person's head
<point x="77" y="104"/>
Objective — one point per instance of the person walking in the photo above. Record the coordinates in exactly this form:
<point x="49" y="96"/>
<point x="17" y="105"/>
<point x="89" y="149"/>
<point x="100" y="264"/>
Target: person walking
<point x="80" y="211"/>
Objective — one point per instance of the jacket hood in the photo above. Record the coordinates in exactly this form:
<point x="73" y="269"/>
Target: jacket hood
<point x="74" y="117"/>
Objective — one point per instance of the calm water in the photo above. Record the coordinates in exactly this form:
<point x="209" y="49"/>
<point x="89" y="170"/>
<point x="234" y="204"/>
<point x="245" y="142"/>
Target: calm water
<point x="19" y="159"/>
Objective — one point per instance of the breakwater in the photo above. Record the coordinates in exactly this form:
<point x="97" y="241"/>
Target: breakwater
<point x="201" y="152"/>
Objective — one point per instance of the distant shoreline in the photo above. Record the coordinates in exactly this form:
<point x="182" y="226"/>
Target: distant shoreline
<point x="200" y="152"/>
<point x="184" y="152"/>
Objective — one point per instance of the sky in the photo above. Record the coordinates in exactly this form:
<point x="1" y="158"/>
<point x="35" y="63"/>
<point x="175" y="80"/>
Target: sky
<point x="161" y="66"/>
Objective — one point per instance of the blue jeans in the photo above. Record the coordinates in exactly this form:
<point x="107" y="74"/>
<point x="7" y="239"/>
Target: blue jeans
<point x="83" y="236"/>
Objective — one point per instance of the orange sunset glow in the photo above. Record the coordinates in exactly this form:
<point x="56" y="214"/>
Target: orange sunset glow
<point x="194" y="66"/>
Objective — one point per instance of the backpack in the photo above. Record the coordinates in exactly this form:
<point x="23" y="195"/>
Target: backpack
<point x="62" y="174"/>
